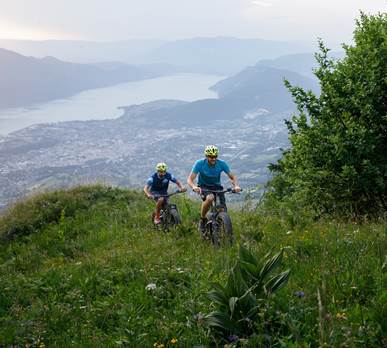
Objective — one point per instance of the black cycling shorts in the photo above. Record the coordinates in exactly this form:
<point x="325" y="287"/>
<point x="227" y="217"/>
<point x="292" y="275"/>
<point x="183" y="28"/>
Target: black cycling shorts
<point x="221" y="197"/>
<point x="157" y="194"/>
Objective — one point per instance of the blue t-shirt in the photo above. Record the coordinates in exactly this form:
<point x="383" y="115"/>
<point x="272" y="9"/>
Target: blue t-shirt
<point x="210" y="176"/>
<point x="160" y="185"/>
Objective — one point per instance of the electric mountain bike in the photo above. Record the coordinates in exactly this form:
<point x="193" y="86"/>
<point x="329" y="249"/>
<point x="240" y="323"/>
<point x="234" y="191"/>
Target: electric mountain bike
<point x="169" y="214"/>
<point x="218" y="227"/>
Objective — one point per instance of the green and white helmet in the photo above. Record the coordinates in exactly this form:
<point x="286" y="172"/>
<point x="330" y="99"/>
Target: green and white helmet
<point x="161" y="167"/>
<point x="211" y="150"/>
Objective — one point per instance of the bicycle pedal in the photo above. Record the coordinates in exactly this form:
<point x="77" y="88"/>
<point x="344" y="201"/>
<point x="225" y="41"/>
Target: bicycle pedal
<point x="205" y="236"/>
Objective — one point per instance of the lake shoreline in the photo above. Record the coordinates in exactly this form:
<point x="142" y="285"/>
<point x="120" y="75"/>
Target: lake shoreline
<point x="109" y="102"/>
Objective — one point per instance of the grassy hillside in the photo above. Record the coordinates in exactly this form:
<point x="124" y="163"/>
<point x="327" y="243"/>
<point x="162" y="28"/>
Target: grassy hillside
<point x="74" y="267"/>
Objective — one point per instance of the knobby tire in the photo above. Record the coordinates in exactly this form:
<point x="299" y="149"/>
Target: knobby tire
<point x="175" y="218"/>
<point x="222" y="234"/>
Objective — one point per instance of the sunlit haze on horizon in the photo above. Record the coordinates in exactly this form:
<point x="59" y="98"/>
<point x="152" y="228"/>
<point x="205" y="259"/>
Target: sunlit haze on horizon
<point x="101" y="20"/>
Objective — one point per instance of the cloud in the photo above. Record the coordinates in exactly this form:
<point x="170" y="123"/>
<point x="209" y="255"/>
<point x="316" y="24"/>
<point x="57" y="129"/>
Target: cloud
<point x="264" y="3"/>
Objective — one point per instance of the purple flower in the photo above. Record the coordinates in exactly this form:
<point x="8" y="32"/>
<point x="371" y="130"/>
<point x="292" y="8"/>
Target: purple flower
<point x="299" y="294"/>
<point x="232" y="338"/>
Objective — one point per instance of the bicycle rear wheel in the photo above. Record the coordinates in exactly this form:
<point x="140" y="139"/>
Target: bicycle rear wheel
<point x="222" y="234"/>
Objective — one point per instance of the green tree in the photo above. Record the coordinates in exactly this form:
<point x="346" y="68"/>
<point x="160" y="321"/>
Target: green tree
<point x="337" y="162"/>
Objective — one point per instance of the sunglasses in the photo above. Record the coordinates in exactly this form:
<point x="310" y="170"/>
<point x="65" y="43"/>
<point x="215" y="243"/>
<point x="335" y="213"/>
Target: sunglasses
<point x="212" y="157"/>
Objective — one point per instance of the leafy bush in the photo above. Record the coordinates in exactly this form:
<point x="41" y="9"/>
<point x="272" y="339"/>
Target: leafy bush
<point x="337" y="162"/>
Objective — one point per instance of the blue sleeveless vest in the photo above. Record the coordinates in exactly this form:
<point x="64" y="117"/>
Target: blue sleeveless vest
<point x="160" y="185"/>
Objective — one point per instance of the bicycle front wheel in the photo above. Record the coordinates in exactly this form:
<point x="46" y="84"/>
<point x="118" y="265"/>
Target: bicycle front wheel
<point x="175" y="218"/>
<point x="223" y="234"/>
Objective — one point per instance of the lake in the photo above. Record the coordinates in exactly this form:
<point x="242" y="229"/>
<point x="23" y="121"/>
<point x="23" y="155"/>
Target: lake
<point x="103" y="103"/>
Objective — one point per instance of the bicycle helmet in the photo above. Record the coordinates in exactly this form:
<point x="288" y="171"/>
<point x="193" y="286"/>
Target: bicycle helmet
<point x="161" y="167"/>
<point x="211" y="150"/>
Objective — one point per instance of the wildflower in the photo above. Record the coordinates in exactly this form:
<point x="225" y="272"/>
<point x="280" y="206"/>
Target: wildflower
<point x="173" y="341"/>
<point x="199" y="317"/>
<point x="232" y="338"/>
<point x="158" y="345"/>
<point x="42" y="345"/>
<point x="299" y="294"/>
<point x="151" y="286"/>
<point x="289" y="232"/>
<point x="341" y="316"/>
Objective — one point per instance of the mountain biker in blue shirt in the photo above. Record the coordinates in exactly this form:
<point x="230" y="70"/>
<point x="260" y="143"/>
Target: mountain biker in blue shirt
<point x="209" y="170"/>
<point x="157" y="185"/>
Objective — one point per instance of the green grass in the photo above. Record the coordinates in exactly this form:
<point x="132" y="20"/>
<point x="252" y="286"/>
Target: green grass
<point x="75" y="265"/>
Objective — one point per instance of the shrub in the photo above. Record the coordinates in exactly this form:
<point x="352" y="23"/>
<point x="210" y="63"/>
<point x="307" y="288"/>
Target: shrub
<point x="243" y="302"/>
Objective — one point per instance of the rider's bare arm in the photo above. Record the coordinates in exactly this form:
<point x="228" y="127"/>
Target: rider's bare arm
<point x="234" y="182"/>
<point x="180" y="186"/>
<point x="147" y="191"/>
<point x="190" y="181"/>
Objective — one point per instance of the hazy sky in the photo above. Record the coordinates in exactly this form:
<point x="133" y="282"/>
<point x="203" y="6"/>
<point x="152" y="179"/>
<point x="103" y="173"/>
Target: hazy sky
<point x="106" y="20"/>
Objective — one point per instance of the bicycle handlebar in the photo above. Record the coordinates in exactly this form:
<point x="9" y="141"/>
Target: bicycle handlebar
<point x="228" y="190"/>
<point x="168" y="195"/>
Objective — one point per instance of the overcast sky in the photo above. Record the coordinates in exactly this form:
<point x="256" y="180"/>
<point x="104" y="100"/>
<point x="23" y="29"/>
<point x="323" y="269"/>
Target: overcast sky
<point x="110" y="20"/>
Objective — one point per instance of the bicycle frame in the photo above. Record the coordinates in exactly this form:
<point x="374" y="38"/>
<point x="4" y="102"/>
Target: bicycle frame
<point x="215" y="207"/>
<point x="165" y="211"/>
<point x="218" y="210"/>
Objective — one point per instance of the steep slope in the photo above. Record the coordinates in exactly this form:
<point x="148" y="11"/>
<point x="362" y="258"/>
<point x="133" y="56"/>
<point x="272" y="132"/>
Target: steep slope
<point x="77" y="266"/>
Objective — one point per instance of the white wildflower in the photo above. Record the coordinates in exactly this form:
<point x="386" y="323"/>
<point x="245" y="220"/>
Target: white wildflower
<point x="151" y="287"/>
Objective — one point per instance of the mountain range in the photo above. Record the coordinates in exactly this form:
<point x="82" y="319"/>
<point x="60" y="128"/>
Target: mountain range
<point x="28" y="80"/>
<point x="302" y="63"/>
<point x="212" y="55"/>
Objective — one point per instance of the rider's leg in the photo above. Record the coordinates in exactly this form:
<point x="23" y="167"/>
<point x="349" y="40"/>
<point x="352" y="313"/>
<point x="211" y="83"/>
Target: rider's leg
<point x="222" y="201"/>
<point x="159" y="204"/>
<point x="206" y="206"/>
<point x="207" y="201"/>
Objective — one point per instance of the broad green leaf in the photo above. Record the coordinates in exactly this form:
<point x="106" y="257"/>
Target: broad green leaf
<point x="219" y="320"/>
<point x="270" y="265"/>
<point x="232" y="304"/>
<point x="277" y="282"/>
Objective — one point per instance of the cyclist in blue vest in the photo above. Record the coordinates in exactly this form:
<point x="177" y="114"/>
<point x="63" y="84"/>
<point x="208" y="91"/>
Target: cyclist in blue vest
<point x="157" y="185"/>
<point x="209" y="170"/>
